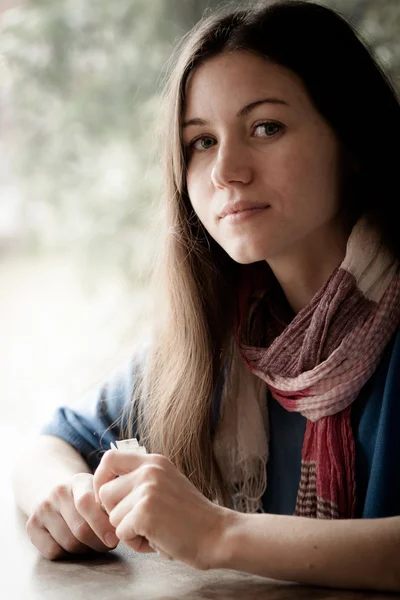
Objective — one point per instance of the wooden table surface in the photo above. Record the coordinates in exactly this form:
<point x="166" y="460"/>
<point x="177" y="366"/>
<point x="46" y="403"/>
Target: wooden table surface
<point x="122" y="574"/>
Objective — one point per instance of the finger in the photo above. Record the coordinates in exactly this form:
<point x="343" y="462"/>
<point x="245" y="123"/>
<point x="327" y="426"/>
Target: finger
<point x="123" y="508"/>
<point x="81" y="529"/>
<point x="43" y="541"/>
<point x="126" y="531"/>
<point x="113" y="492"/>
<point x="61" y="533"/>
<point x="145" y="546"/>
<point x="116" y="463"/>
<point x="96" y="519"/>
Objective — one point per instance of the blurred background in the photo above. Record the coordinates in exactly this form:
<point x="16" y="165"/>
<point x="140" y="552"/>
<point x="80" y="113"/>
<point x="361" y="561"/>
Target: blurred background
<point x="79" y="94"/>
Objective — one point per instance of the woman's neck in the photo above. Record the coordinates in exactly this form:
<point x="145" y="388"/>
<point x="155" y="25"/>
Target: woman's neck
<point x="306" y="266"/>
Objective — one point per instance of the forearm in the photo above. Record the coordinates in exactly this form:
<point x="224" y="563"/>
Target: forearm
<point x="40" y="468"/>
<point x="358" y="553"/>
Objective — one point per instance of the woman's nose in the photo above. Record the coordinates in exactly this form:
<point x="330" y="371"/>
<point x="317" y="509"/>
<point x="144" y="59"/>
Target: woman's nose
<point x="231" y="166"/>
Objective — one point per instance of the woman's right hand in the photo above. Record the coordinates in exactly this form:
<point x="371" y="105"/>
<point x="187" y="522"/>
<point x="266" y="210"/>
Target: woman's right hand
<point x="70" y="521"/>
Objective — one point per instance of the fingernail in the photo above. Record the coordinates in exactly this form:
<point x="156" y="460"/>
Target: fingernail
<point x="111" y="540"/>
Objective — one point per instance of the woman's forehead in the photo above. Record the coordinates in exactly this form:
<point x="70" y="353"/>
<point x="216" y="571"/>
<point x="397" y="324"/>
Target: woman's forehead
<point x="236" y="78"/>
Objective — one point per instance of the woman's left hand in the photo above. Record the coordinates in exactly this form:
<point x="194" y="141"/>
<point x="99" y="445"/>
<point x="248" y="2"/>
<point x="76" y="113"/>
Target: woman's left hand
<point x="151" y="500"/>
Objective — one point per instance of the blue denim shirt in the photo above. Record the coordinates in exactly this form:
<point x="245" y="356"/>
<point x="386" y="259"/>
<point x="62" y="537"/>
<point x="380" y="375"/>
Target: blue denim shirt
<point x="96" y="421"/>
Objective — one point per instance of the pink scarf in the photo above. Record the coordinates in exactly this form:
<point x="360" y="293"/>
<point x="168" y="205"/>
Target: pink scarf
<point x="318" y="363"/>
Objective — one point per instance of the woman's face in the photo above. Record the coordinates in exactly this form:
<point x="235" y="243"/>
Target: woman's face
<point x="263" y="165"/>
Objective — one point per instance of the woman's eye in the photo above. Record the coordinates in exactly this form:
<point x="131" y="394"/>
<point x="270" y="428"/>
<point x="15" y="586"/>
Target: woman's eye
<point x="267" y="129"/>
<point x="203" y="143"/>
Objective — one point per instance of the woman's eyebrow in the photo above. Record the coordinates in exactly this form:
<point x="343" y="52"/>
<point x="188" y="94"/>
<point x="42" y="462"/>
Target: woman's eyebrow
<point x="242" y="112"/>
<point x="249" y="107"/>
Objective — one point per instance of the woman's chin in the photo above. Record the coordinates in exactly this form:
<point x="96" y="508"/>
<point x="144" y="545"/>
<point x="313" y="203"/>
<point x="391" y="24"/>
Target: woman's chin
<point x="246" y="258"/>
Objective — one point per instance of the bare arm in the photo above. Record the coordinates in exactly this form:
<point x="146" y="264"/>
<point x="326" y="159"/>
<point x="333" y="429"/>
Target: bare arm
<point x="358" y="553"/>
<point x="40" y="468"/>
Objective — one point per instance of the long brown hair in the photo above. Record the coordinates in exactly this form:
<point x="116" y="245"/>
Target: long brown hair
<point x="195" y="278"/>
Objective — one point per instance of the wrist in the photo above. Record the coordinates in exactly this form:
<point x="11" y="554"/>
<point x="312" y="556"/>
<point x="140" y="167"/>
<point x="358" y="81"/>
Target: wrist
<point x="220" y="547"/>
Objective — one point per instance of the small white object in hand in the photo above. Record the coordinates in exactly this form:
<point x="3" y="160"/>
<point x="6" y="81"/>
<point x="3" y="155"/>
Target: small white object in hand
<point x="134" y="446"/>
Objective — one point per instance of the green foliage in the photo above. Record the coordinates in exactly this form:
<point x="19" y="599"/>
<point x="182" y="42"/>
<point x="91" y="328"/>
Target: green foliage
<point x="84" y="97"/>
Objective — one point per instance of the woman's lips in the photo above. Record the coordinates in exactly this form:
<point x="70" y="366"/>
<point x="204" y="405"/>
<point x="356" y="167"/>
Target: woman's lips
<point x="238" y="216"/>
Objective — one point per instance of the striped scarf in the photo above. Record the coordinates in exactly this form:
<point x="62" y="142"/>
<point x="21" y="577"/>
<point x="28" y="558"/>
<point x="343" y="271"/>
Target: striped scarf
<point x="316" y="365"/>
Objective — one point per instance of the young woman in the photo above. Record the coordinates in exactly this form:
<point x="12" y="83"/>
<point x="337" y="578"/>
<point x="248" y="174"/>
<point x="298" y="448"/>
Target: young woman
<point x="268" y="399"/>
